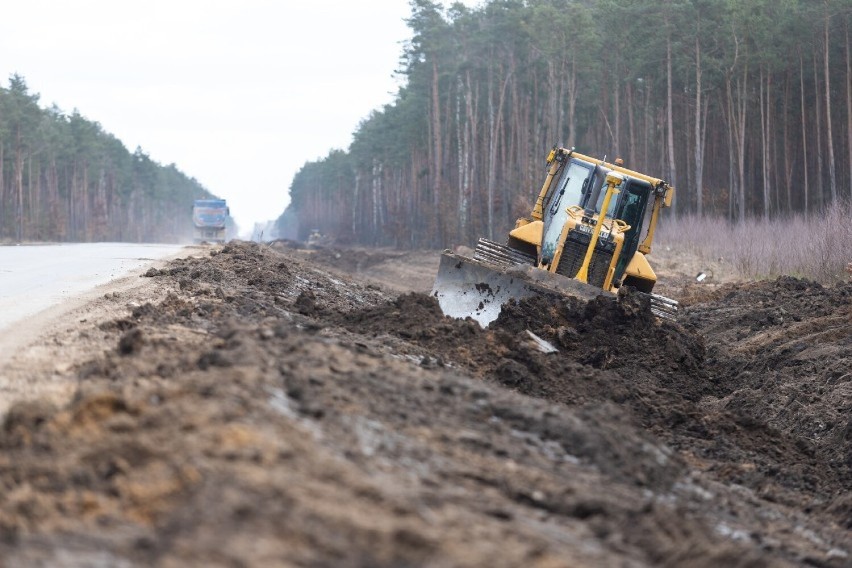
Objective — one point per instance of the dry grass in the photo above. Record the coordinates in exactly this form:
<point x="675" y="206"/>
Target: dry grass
<point x="818" y="247"/>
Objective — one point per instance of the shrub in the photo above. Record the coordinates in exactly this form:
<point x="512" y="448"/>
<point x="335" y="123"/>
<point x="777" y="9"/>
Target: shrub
<point x="817" y="247"/>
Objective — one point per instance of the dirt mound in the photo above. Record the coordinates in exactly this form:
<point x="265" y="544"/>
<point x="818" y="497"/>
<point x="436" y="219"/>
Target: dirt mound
<point x="409" y="315"/>
<point x="265" y="411"/>
<point x="781" y="351"/>
<point x="353" y="260"/>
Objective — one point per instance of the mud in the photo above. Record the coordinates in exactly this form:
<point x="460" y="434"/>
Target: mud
<point x="277" y="406"/>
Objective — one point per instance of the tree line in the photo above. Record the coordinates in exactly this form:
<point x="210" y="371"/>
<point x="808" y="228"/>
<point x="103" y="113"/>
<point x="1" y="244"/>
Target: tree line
<point x="63" y="178"/>
<point x="745" y="106"/>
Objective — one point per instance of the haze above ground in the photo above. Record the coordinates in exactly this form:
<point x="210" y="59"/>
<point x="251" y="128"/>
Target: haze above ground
<point x="237" y="94"/>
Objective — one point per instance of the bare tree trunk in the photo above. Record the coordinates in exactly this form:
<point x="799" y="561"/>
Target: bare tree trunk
<point x="819" y="180"/>
<point x="2" y="188"/>
<point x="510" y="148"/>
<point x="85" y="200"/>
<point x="492" y="156"/>
<point x="669" y="118"/>
<point x="738" y="112"/>
<point x="572" y="103"/>
<point x="19" y="185"/>
<point x="356" y="204"/>
<point x="32" y="202"/>
<point x="616" y="150"/>
<point x="463" y="127"/>
<point x="376" y="221"/>
<point x="631" y="127"/>
<point x="733" y="192"/>
<point x="54" y="225"/>
<point x="550" y="126"/>
<point x="788" y="163"/>
<point x="849" y="109"/>
<point x="495" y="117"/>
<point x="687" y="197"/>
<point x="831" y="174"/>
<point x="560" y="110"/>
<point x="72" y="195"/>
<point x="804" y="130"/>
<point x="647" y="126"/>
<point x="437" y="180"/>
<point x="472" y="108"/>
<point x="764" y="127"/>
<point x="771" y="153"/>
<point x="99" y="216"/>
<point x="699" y="149"/>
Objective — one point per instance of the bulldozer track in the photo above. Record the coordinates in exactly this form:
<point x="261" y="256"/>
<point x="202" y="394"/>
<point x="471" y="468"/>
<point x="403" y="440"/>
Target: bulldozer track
<point x="663" y="307"/>
<point x="501" y="255"/>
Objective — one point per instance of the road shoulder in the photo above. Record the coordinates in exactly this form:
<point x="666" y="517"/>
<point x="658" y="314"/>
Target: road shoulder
<point x="38" y="354"/>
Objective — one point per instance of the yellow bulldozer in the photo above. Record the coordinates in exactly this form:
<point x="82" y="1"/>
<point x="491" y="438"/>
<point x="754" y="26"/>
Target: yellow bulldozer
<point x="588" y="234"/>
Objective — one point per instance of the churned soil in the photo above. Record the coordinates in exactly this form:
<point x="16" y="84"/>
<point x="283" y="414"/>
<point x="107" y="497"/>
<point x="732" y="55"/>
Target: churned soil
<point x="257" y="405"/>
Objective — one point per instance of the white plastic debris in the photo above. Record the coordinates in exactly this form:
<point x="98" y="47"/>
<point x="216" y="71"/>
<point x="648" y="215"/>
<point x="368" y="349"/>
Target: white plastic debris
<point x="543" y="345"/>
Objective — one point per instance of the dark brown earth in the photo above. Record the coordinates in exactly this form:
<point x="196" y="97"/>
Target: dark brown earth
<point x="275" y="406"/>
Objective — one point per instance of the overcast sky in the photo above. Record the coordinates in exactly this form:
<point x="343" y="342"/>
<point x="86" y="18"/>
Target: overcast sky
<point x="239" y="94"/>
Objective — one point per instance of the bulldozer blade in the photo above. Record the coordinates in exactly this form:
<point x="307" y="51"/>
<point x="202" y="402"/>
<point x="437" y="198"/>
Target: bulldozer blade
<point x="472" y="288"/>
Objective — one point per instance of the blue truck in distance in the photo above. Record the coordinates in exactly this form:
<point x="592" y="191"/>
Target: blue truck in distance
<point x="209" y="217"/>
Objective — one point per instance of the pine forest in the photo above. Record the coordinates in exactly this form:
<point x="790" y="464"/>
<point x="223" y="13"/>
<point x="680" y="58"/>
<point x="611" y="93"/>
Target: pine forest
<point x="63" y="178"/>
<point x="745" y="106"/>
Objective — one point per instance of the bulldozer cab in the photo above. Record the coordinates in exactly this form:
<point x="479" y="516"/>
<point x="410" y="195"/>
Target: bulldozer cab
<point x="583" y="237"/>
<point x="583" y="184"/>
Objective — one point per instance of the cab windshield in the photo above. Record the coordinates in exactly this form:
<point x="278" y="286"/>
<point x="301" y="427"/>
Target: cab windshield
<point x="569" y="191"/>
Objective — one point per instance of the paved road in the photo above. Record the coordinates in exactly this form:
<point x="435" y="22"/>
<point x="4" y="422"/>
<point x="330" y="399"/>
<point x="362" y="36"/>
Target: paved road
<point x="34" y="278"/>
